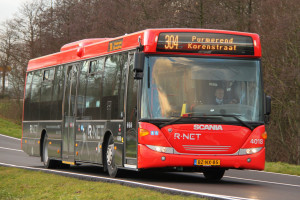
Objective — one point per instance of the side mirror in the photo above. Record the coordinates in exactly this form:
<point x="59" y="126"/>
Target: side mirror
<point x="267" y="105"/>
<point x="139" y="59"/>
<point x="267" y="109"/>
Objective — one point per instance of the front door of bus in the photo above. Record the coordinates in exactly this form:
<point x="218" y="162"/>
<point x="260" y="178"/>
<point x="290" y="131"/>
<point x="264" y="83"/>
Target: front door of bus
<point x="68" y="135"/>
<point x="131" y="118"/>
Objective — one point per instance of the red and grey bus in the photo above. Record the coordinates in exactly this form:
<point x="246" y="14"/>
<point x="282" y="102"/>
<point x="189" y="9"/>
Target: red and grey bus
<point x="172" y="99"/>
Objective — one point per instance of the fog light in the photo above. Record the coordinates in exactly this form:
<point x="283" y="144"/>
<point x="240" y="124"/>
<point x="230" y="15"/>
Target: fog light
<point x="163" y="158"/>
<point x="249" y="160"/>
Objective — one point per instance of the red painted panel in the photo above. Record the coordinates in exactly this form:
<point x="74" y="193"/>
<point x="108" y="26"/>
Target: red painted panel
<point x="98" y="47"/>
<point x="148" y="158"/>
<point x="206" y="138"/>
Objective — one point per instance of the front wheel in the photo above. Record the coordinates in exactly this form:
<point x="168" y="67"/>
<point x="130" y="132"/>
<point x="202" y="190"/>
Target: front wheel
<point x="214" y="175"/>
<point x="110" y="158"/>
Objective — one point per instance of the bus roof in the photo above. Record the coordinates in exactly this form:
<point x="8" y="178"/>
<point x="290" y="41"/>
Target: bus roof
<point x="191" y="41"/>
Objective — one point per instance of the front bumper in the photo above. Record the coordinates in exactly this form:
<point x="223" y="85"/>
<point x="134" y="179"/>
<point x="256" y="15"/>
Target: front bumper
<point x="148" y="158"/>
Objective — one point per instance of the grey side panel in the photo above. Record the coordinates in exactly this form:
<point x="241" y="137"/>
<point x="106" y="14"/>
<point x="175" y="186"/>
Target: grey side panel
<point x="32" y="133"/>
<point x="31" y="138"/>
<point x="31" y="146"/>
<point x="90" y="136"/>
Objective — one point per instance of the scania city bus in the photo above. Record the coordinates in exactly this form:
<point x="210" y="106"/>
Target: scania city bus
<point x="172" y="99"/>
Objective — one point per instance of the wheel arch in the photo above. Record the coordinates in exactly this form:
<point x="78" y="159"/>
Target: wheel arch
<point x="107" y="134"/>
<point x="43" y="133"/>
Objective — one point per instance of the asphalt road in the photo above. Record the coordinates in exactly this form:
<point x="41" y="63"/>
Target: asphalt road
<point x="236" y="184"/>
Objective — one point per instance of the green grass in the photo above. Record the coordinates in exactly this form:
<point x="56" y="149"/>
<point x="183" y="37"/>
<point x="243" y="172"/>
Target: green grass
<point x="24" y="184"/>
<point x="11" y="109"/>
<point x="283" y="168"/>
<point x="10" y="128"/>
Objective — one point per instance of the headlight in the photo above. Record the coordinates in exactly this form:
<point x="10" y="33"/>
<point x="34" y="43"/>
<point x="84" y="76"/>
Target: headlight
<point x="249" y="151"/>
<point x="161" y="149"/>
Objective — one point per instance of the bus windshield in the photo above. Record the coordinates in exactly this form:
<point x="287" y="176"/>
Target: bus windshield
<point x="173" y="86"/>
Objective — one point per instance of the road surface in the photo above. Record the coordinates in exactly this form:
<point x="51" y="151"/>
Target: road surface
<point x="236" y="184"/>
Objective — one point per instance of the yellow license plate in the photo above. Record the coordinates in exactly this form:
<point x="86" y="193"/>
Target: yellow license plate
<point x="207" y="162"/>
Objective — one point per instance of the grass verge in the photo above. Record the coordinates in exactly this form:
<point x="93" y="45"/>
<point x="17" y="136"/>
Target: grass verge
<point x="283" y="168"/>
<point x="10" y="128"/>
<point x="24" y="184"/>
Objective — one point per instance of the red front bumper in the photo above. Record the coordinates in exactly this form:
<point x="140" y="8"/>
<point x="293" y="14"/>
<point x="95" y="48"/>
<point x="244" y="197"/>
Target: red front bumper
<point x="148" y="158"/>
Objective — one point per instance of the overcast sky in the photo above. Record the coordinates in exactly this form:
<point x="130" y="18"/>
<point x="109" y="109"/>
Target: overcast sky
<point x="8" y="8"/>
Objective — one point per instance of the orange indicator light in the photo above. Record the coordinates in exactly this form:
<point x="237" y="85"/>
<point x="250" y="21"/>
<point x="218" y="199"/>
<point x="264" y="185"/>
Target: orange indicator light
<point x="264" y="135"/>
<point x="143" y="132"/>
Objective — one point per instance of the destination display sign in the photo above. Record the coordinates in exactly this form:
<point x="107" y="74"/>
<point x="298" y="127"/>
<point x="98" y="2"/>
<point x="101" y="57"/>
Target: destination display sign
<point x="206" y="43"/>
<point x="115" y="45"/>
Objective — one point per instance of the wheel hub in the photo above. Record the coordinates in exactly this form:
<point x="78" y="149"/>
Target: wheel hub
<point x="109" y="155"/>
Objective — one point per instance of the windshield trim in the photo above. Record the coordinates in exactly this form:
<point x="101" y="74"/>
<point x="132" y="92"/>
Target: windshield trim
<point x="259" y="81"/>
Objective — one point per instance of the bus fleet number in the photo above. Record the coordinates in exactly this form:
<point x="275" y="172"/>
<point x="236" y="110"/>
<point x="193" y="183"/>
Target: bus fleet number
<point x="257" y="141"/>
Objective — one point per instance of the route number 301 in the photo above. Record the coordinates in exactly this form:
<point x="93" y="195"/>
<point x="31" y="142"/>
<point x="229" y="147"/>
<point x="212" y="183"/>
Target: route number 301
<point x="257" y="141"/>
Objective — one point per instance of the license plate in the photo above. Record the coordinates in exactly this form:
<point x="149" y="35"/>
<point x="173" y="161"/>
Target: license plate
<point x="207" y="162"/>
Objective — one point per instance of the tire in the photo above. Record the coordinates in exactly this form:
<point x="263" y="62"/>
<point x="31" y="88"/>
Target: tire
<point x="214" y="175"/>
<point x="48" y="163"/>
<point x="110" y="158"/>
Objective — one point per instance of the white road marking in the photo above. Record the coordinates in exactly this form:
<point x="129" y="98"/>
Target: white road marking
<point x="131" y="182"/>
<point x="10" y="137"/>
<point x="246" y="179"/>
<point x="11" y="149"/>
<point x="275" y="173"/>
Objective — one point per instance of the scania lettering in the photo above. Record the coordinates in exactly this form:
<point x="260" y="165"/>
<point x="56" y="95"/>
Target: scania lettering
<point x="208" y="127"/>
<point x="167" y="99"/>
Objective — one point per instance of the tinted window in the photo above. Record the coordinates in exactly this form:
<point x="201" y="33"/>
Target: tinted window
<point x="114" y="84"/>
<point x="96" y="65"/>
<point x="35" y="95"/>
<point x="82" y="84"/>
<point x="90" y="89"/>
<point x="57" y="94"/>
<point x="46" y="94"/>
<point x="27" y="96"/>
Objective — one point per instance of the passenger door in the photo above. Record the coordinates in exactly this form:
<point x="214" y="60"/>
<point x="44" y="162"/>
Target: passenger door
<point x="131" y="118"/>
<point x="68" y="134"/>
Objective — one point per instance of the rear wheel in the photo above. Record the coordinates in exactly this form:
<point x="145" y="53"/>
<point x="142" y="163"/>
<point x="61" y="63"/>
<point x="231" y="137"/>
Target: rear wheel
<point x="110" y="158"/>
<point x="214" y="175"/>
<point x="48" y="163"/>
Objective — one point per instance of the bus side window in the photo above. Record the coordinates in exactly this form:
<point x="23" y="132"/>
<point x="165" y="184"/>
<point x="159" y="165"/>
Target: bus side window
<point x="27" y="96"/>
<point x="81" y="92"/>
<point x="114" y="86"/>
<point x="90" y="103"/>
<point x="57" y="93"/>
<point x="35" y="95"/>
<point x="46" y="94"/>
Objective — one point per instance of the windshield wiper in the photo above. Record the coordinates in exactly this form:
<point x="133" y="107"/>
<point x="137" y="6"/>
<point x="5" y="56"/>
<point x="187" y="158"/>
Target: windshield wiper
<point x="236" y="117"/>
<point x="171" y="122"/>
